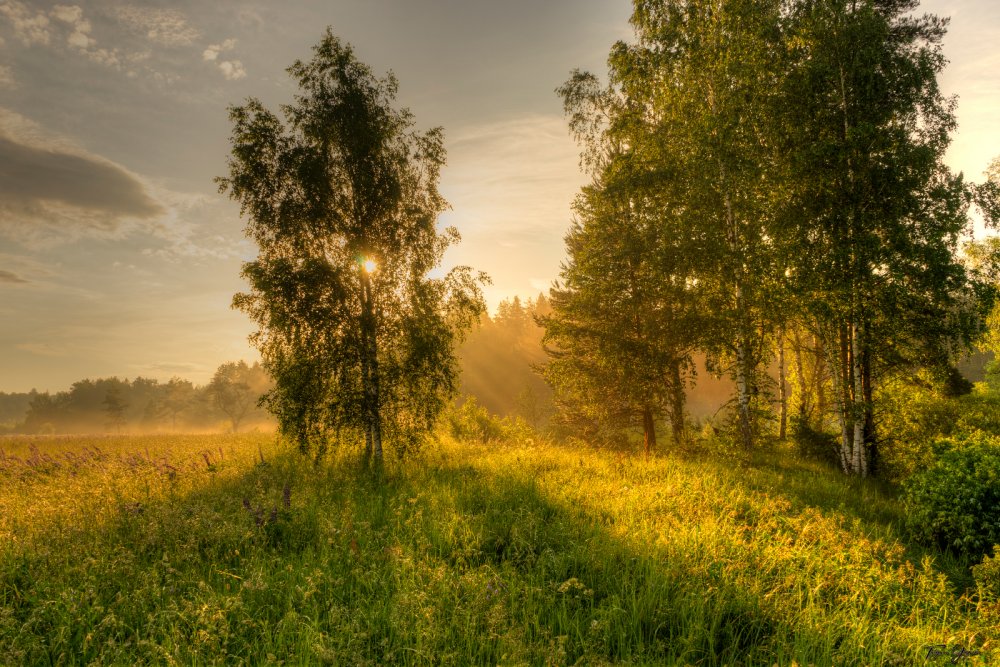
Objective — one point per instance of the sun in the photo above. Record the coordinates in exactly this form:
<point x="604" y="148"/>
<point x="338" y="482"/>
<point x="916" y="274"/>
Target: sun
<point x="370" y="266"/>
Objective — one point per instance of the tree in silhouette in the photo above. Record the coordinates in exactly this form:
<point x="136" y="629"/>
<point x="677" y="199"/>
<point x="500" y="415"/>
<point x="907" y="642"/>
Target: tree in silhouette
<point x="231" y="392"/>
<point x="342" y="199"/>
<point x="114" y="407"/>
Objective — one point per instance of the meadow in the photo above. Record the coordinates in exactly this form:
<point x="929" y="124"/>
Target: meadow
<point x="207" y="550"/>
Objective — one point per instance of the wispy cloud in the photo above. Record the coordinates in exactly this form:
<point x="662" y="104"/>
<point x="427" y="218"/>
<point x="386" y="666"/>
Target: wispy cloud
<point x="7" y="77"/>
<point x="62" y="25"/>
<point x="231" y="69"/>
<point x="510" y="184"/>
<point x="513" y="174"/>
<point x="168" y="27"/>
<point x="11" y="278"/>
<point x="43" y="349"/>
<point x="72" y="15"/>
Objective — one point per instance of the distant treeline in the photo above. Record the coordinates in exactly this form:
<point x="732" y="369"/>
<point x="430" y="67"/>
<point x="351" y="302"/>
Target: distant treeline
<point x="114" y="405"/>
<point x="499" y="358"/>
<point x="500" y="361"/>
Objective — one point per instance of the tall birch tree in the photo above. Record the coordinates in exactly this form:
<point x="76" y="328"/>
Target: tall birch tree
<point x="704" y="73"/>
<point x="876" y="216"/>
<point x="341" y="197"/>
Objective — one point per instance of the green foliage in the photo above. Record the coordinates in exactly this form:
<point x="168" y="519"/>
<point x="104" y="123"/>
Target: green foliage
<point x="914" y="413"/>
<point x="814" y="444"/>
<point x="875" y="215"/>
<point x="672" y="250"/>
<point x="955" y="502"/>
<point x="143" y="551"/>
<point x="341" y="197"/>
<point x="987" y="577"/>
<point x="470" y="422"/>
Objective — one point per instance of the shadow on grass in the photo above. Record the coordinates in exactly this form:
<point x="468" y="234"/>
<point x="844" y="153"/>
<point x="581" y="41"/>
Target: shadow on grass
<point x="443" y="563"/>
<point x="874" y="502"/>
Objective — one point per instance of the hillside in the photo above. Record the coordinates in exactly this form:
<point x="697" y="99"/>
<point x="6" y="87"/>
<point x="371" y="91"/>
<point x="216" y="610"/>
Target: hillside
<point x="225" y="549"/>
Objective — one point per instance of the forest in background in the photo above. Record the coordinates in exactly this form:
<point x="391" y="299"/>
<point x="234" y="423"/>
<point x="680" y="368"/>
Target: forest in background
<point x="501" y="361"/>
<point x="230" y="402"/>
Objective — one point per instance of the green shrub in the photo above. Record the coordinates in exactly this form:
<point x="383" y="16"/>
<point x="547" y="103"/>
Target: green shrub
<point x="813" y="444"/>
<point x="955" y="502"/>
<point x="987" y="576"/>
<point x="912" y="416"/>
<point x="472" y="422"/>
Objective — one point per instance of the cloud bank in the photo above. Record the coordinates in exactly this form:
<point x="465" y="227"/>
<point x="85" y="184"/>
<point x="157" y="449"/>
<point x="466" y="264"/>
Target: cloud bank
<point x="51" y="189"/>
<point x="11" y="278"/>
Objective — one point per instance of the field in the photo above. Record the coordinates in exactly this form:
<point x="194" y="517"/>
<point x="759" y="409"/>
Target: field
<point x="234" y="550"/>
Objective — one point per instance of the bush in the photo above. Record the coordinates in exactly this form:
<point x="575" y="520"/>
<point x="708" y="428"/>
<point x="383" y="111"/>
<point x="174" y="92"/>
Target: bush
<point x="955" y="503"/>
<point x="813" y="444"/>
<point x="912" y="416"/>
<point x="471" y="422"/>
<point x="987" y="576"/>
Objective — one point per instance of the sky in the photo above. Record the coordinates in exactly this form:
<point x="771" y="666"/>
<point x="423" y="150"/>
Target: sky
<point x="119" y="257"/>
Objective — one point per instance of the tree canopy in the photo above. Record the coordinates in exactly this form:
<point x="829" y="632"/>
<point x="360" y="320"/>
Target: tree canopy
<point x="783" y="162"/>
<point x="341" y="196"/>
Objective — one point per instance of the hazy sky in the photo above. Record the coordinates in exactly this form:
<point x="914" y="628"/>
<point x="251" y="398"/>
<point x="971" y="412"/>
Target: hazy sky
<point x="118" y="257"/>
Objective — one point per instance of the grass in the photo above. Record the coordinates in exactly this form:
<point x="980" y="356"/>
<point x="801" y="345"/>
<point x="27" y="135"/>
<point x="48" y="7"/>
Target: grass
<point x="233" y="550"/>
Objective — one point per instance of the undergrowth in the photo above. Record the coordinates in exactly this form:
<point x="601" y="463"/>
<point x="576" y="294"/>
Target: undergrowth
<point x="235" y="550"/>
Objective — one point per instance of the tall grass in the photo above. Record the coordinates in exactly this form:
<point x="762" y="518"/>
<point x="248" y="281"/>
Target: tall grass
<point x="234" y="550"/>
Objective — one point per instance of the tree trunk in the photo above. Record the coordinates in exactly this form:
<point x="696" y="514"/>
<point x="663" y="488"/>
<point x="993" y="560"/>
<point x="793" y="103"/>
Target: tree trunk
<point x="742" y="348"/>
<point x="819" y="382"/>
<point x="860" y="408"/>
<point x="871" y="443"/>
<point x="369" y="372"/>
<point x="743" y="394"/>
<point x="782" y="393"/>
<point x="677" y="399"/>
<point x="800" y="377"/>
<point x="649" y="430"/>
<point x="842" y="389"/>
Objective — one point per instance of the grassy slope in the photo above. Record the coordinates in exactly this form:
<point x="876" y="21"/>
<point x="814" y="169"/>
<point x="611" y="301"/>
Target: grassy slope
<point x="142" y="551"/>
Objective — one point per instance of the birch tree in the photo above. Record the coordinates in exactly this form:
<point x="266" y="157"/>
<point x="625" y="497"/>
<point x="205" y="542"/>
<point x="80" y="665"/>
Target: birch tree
<point x="341" y="196"/>
<point x="704" y="73"/>
<point x="876" y="215"/>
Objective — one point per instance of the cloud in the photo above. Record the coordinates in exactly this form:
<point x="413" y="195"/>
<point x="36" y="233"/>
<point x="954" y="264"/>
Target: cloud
<point x="6" y="77"/>
<point x="8" y="277"/>
<point x="67" y="13"/>
<point x="233" y="70"/>
<point x="43" y="349"/>
<point x="31" y="174"/>
<point x="66" y="28"/>
<point x="31" y="27"/>
<point x="79" y="37"/>
<point x="168" y="27"/>
<point x="213" y="51"/>
<point x="49" y="187"/>
<point x="513" y="172"/>
<point x="63" y="21"/>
